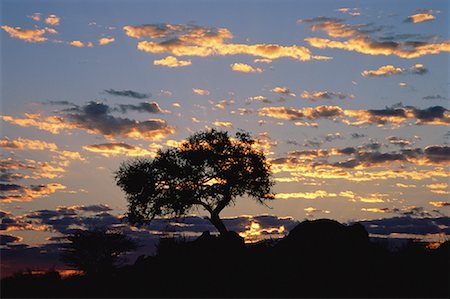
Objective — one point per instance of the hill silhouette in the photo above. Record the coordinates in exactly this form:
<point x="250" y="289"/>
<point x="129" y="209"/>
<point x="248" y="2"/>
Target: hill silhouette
<point x="320" y="258"/>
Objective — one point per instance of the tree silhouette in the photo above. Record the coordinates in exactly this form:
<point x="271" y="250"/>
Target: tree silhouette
<point x="97" y="251"/>
<point x="209" y="170"/>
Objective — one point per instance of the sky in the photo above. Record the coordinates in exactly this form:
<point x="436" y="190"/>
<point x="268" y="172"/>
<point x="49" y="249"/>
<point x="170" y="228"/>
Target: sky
<point x="347" y="99"/>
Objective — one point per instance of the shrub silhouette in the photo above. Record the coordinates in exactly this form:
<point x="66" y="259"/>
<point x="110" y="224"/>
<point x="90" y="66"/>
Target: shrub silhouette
<point x="209" y="171"/>
<point x="96" y="252"/>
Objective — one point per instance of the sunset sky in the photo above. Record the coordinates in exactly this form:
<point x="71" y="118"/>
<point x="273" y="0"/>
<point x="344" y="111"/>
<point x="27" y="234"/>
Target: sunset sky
<point x="349" y="103"/>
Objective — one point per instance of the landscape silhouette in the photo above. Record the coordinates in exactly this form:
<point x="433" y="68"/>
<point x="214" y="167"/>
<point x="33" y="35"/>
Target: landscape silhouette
<point x="317" y="258"/>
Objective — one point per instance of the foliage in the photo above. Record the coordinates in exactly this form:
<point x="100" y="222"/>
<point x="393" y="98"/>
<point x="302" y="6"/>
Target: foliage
<point x="209" y="170"/>
<point x="96" y="252"/>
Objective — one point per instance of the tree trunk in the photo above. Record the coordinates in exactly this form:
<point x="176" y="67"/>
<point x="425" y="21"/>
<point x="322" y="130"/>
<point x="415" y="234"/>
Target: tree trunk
<point x="217" y="222"/>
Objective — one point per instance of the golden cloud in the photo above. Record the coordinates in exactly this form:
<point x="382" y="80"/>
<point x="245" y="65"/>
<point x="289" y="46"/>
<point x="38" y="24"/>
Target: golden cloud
<point x="365" y="45"/>
<point x="180" y="40"/>
<point x="22" y="143"/>
<point x="245" y="68"/>
<point x="171" y="61"/>
<point x="305" y="195"/>
<point x="53" y="20"/>
<point x="421" y="17"/>
<point x="77" y="44"/>
<point x="115" y="149"/>
<point x="28" y="35"/>
<point x="440" y="204"/>
<point x="199" y="91"/>
<point x="223" y="124"/>
<point x="106" y="40"/>
<point x="26" y="194"/>
<point x="283" y="90"/>
<point x="318" y="95"/>
<point x="382" y="71"/>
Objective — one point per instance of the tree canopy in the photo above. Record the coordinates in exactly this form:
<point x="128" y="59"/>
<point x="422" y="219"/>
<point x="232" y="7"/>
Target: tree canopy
<point x="209" y="170"/>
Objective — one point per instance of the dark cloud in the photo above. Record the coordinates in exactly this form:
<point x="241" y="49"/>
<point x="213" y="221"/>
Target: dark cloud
<point x="357" y="135"/>
<point x="128" y="93"/>
<point x="431" y="114"/>
<point x="347" y="150"/>
<point x="399" y="141"/>
<point x="152" y="107"/>
<point x="95" y="117"/>
<point x="8" y="239"/>
<point x="408" y="225"/>
<point x="438" y="153"/>
<point x="435" y="97"/>
<point x="10" y="187"/>
<point x="10" y="177"/>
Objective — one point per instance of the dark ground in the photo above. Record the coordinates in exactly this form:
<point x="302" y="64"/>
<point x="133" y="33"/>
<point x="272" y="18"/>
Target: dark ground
<point x="321" y="258"/>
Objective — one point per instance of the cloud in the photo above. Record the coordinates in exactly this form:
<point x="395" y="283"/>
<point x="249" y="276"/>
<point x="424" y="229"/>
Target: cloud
<point x="96" y="118"/>
<point x="106" y="40"/>
<point x="318" y="95"/>
<point x="245" y="68"/>
<point x="152" y="107"/>
<point x="8" y="239"/>
<point x="171" y="61"/>
<point x="406" y="225"/>
<point x="13" y="192"/>
<point x="435" y="97"/>
<point x="262" y="99"/>
<point x="35" y="17"/>
<point x="358" y="39"/>
<point x="76" y="44"/>
<point x="128" y="93"/>
<point x="426" y="16"/>
<point x="199" y="91"/>
<point x="223" y="124"/>
<point x="436" y="115"/>
<point x="295" y="114"/>
<point x="440" y="204"/>
<point x="351" y="11"/>
<point x="192" y="40"/>
<point x="53" y="20"/>
<point x="28" y="35"/>
<point x="305" y="195"/>
<point x="28" y="144"/>
<point x="387" y="70"/>
<point x="116" y="149"/>
<point x="399" y="141"/>
<point x="283" y="91"/>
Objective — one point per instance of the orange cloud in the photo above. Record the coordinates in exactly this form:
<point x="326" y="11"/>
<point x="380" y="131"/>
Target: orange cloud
<point x="382" y="71"/>
<point x="202" y="41"/>
<point x="115" y="149"/>
<point x="245" y="68"/>
<point x="28" y="35"/>
<point x="367" y="46"/>
<point x="376" y="210"/>
<point x="77" y="44"/>
<point x="106" y="40"/>
<point x="13" y="192"/>
<point x="199" y="91"/>
<point x="283" y="90"/>
<point x="318" y="95"/>
<point x="171" y="61"/>
<point x="53" y="20"/>
<point x="420" y="17"/>
<point x="305" y="195"/>
<point x="440" y="204"/>
<point x="223" y="124"/>
<point x="22" y="143"/>
<point x="311" y="113"/>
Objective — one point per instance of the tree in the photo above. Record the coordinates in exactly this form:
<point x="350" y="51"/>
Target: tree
<point x="209" y="170"/>
<point x="97" y="251"/>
